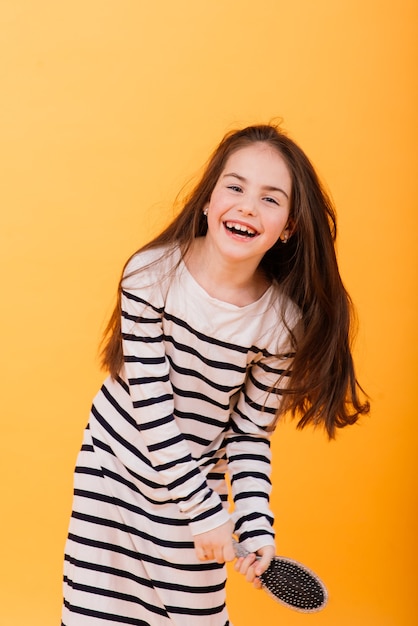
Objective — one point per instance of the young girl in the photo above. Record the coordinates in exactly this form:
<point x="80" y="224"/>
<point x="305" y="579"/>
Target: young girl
<point x="233" y="315"/>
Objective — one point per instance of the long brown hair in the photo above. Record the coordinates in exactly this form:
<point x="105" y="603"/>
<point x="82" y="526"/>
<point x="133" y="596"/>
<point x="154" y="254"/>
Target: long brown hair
<point x="324" y="389"/>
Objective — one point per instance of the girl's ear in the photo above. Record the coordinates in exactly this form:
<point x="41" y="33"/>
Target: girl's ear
<point x="288" y="230"/>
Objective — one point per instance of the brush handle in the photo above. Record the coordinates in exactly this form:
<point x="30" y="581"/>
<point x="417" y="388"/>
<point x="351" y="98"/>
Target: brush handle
<point x="239" y="549"/>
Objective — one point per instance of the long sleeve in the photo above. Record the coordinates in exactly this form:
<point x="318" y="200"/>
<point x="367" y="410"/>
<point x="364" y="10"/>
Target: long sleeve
<point x="147" y="373"/>
<point x="249" y="454"/>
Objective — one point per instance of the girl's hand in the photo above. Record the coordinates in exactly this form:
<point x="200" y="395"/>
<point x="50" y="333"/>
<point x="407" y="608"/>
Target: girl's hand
<point x="216" y="544"/>
<point x="252" y="568"/>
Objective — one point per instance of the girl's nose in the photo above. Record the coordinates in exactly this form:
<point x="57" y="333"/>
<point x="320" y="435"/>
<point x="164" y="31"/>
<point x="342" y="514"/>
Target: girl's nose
<point x="248" y="206"/>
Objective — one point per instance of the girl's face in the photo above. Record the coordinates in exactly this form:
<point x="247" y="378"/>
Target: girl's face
<point x="249" y="206"/>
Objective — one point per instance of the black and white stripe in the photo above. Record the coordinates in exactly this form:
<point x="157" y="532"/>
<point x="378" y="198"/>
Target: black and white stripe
<point x="192" y="402"/>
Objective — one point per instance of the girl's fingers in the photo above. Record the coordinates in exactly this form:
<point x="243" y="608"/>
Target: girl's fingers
<point x="243" y="564"/>
<point x="238" y="563"/>
<point x="247" y="567"/>
<point x="257" y="583"/>
<point x="204" y="555"/>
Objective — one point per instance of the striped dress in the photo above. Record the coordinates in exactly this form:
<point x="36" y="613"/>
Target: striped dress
<point x="191" y="403"/>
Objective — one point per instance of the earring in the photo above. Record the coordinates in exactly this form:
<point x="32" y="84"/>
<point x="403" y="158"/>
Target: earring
<point x="205" y="212"/>
<point x="284" y="238"/>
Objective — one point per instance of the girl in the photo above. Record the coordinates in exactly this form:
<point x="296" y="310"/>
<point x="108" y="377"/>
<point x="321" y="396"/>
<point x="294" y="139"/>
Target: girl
<point x="233" y="315"/>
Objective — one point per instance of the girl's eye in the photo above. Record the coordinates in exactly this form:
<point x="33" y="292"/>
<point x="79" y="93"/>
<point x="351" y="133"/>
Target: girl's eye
<point x="272" y="200"/>
<point x="235" y="188"/>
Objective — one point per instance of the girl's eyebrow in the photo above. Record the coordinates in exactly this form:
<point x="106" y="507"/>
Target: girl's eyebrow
<point x="266" y="187"/>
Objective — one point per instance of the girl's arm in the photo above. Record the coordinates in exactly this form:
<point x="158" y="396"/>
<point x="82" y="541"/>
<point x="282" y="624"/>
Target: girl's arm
<point x="146" y="371"/>
<point x="249" y="454"/>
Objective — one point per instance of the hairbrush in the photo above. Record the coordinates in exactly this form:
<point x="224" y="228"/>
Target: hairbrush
<point x="291" y="583"/>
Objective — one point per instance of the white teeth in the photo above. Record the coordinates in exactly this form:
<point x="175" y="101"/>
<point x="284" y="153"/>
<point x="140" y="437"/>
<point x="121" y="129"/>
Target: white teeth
<point x="240" y="227"/>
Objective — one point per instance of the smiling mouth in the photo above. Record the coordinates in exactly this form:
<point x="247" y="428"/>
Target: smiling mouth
<point x="240" y="229"/>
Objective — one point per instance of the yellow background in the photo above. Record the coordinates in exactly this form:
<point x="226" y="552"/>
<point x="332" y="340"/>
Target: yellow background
<point x="108" y="107"/>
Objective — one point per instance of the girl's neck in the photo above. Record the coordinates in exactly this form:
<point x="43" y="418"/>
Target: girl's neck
<point x="237" y="283"/>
